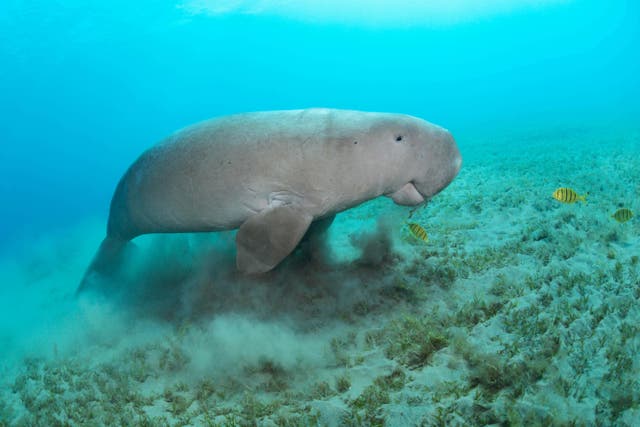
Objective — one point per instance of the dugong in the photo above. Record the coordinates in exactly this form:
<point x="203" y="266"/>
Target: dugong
<point x="271" y="174"/>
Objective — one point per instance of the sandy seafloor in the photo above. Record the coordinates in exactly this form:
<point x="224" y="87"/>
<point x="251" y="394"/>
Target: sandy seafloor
<point x="518" y="311"/>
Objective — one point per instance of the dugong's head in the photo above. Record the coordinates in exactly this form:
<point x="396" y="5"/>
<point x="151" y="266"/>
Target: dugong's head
<point x="425" y="155"/>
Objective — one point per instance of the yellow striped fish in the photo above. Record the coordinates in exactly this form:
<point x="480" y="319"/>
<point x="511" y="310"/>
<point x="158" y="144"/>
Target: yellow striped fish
<point x="622" y="215"/>
<point x="418" y="232"/>
<point x="567" y="195"/>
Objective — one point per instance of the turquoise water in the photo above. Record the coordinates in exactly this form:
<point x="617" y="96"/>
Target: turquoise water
<point x="541" y="96"/>
<point x="87" y="86"/>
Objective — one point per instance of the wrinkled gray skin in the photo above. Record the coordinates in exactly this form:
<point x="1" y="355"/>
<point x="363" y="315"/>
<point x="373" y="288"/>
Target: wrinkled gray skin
<point x="271" y="174"/>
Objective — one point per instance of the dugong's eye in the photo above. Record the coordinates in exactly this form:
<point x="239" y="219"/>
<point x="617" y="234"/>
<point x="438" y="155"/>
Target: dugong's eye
<point x="399" y="138"/>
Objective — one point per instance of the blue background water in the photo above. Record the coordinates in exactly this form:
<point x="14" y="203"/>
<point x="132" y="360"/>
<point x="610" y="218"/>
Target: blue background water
<point x="86" y="86"/>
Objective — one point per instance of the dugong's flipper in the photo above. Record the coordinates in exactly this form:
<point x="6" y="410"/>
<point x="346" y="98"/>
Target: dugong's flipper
<point x="107" y="260"/>
<point x="268" y="237"/>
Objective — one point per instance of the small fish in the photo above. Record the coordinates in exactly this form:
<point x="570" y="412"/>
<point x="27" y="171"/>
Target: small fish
<point x="622" y="215"/>
<point x="418" y="231"/>
<point x="567" y="195"/>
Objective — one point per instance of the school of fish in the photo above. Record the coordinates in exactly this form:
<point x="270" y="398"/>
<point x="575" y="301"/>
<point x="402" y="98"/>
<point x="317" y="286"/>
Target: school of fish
<point x="569" y="195"/>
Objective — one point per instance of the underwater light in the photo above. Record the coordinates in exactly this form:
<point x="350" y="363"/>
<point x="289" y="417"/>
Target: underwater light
<point x="368" y="12"/>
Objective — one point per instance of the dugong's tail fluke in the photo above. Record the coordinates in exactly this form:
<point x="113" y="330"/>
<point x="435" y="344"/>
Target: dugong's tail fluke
<point x="107" y="260"/>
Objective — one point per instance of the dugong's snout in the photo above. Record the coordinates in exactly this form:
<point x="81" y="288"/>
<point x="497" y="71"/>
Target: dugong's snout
<point x="443" y="162"/>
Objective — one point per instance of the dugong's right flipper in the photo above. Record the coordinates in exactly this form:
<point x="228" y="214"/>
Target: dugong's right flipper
<point x="105" y="262"/>
<point x="268" y="237"/>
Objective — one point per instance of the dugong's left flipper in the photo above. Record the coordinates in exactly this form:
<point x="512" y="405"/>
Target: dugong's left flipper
<point x="268" y="237"/>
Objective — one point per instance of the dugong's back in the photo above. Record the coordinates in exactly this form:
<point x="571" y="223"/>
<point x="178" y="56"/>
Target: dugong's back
<point x="192" y="180"/>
